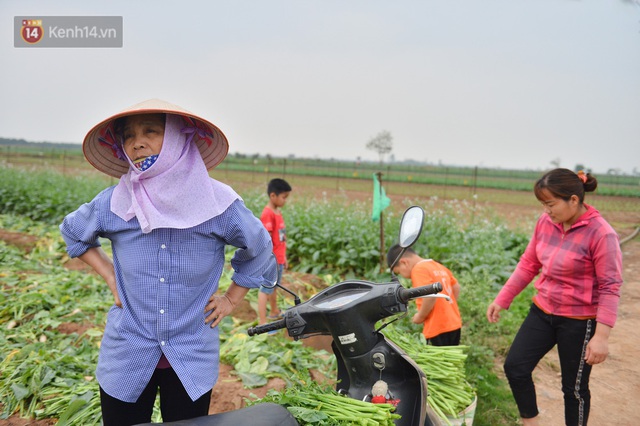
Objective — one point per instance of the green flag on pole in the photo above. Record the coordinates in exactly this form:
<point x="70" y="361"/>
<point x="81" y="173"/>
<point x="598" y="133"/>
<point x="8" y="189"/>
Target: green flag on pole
<point x="380" y="199"/>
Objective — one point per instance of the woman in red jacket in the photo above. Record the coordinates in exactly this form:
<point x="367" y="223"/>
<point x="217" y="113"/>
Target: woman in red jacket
<point x="576" y="256"/>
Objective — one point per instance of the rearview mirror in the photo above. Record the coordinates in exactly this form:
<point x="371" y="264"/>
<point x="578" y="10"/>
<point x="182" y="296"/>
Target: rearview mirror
<point x="411" y="226"/>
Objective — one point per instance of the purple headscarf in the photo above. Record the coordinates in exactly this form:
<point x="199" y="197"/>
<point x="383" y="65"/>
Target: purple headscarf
<point x="176" y="192"/>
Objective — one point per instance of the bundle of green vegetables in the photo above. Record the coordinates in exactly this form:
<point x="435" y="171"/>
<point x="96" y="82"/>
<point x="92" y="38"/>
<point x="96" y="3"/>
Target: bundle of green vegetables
<point x="449" y="393"/>
<point x="312" y="404"/>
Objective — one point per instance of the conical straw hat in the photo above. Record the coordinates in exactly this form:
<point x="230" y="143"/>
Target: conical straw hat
<point x="103" y="150"/>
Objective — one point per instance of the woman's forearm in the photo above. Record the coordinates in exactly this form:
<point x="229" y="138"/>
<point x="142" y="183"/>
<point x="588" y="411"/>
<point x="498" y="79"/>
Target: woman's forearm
<point x="103" y="265"/>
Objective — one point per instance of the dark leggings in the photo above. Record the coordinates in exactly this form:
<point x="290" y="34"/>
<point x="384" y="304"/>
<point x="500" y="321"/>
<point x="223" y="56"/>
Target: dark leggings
<point x="539" y="333"/>
<point x="175" y="403"/>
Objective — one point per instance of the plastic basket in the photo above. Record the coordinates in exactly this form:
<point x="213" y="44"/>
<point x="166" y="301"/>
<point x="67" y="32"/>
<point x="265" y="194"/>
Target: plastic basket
<point x="465" y="417"/>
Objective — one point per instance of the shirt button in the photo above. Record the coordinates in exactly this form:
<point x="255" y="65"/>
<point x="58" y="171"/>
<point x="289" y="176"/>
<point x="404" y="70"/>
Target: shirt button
<point x="163" y="246"/>
<point x="161" y="280"/>
<point x="162" y="343"/>
<point x="162" y="311"/>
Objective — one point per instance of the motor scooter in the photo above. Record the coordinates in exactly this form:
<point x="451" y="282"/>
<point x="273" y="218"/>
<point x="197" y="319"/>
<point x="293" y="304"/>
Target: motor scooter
<point x="349" y="312"/>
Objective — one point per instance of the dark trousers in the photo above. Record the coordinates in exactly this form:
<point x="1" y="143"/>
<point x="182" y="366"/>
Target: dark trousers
<point x="450" y="338"/>
<point x="538" y="334"/>
<point x="175" y="403"/>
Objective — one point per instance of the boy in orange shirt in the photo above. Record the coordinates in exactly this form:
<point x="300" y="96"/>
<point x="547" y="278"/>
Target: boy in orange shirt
<point x="441" y="317"/>
<point x="278" y="191"/>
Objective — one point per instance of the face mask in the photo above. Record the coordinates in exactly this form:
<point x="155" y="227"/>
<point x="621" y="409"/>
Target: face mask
<point x="144" y="163"/>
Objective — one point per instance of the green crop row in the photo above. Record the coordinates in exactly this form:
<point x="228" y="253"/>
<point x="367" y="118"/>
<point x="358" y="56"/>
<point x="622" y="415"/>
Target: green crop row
<point x="44" y="196"/>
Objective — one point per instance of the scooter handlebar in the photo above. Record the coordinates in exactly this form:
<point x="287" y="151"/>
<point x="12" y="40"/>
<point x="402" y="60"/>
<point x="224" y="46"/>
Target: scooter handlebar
<point x="406" y="294"/>
<point x="265" y="328"/>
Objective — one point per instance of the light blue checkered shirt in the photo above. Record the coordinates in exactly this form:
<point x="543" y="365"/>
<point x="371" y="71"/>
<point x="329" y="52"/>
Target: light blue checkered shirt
<point x="165" y="279"/>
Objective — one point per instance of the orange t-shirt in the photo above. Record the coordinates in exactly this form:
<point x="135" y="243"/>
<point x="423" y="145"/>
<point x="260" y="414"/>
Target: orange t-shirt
<point x="444" y="316"/>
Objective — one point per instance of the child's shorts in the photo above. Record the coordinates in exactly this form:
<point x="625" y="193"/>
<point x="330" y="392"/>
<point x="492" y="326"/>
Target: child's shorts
<point x="266" y="290"/>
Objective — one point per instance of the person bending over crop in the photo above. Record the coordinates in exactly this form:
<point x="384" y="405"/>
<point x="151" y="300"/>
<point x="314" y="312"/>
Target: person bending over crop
<point x="576" y="256"/>
<point x="168" y="223"/>
<point x="440" y="317"/>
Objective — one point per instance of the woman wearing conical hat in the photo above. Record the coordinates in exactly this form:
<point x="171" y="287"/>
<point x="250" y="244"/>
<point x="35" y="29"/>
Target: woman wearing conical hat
<point x="168" y="223"/>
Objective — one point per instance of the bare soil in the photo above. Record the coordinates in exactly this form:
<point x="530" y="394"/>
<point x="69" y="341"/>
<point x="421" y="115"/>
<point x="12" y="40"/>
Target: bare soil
<point x="615" y="384"/>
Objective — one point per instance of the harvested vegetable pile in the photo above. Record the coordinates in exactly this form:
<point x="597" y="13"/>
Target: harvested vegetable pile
<point x="257" y="359"/>
<point x="312" y="404"/>
<point x="449" y="391"/>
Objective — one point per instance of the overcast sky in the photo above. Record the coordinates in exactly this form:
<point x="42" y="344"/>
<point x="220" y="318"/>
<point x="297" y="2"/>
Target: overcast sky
<point x="492" y="83"/>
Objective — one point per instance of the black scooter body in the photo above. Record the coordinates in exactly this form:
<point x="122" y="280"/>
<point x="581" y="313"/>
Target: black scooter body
<point x="349" y="311"/>
<point x="405" y="381"/>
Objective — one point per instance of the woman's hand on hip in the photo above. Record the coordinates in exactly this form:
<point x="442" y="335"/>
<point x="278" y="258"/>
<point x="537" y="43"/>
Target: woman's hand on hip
<point x="114" y="290"/>
<point x="103" y="265"/>
<point x="217" y="308"/>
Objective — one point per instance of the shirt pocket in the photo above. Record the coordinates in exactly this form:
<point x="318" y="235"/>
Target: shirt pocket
<point x="196" y="259"/>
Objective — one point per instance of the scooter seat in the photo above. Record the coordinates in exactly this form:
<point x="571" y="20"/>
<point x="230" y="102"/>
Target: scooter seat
<point x="266" y="414"/>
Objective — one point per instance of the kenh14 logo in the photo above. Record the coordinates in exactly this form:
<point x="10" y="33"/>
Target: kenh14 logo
<point x="32" y="30"/>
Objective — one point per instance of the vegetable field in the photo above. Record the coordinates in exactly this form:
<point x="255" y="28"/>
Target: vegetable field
<point x="52" y="313"/>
